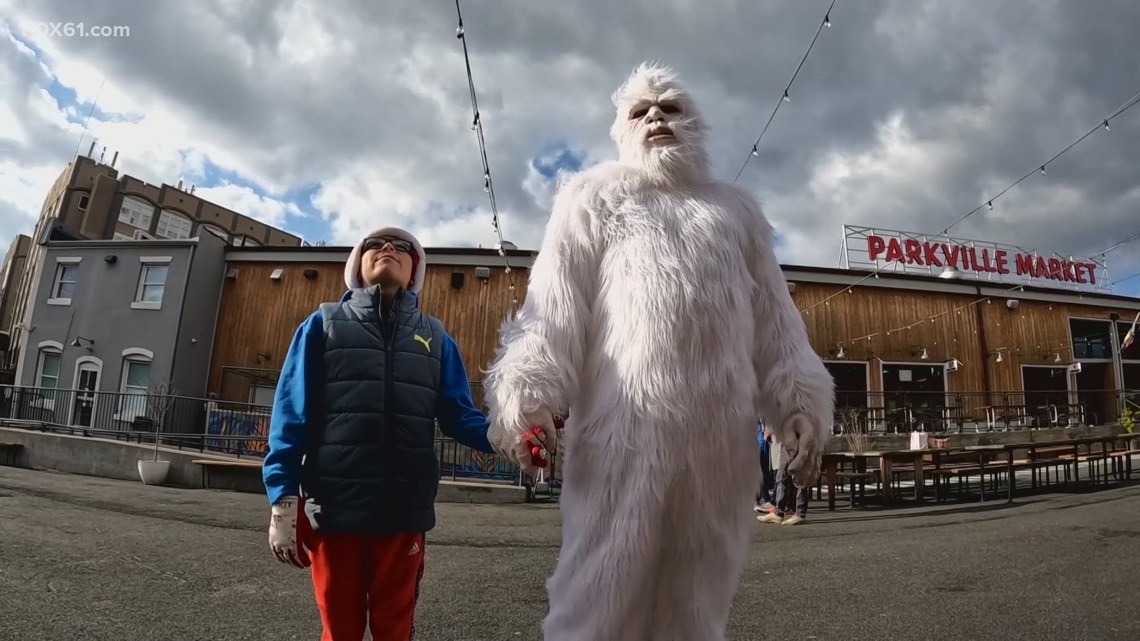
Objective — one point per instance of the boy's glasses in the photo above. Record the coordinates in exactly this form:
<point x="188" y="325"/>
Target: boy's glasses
<point x="376" y="242"/>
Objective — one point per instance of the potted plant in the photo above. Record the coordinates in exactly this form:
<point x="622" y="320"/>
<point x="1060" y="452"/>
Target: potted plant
<point x="154" y="471"/>
<point x="1128" y="422"/>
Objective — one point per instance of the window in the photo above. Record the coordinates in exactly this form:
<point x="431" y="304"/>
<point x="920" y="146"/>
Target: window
<point x="83" y="200"/>
<point x="136" y="212"/>
<point x="1091" y="338"/>
<point x="136" y="376"/>
<point x="136" y="384"/>
<point x="121" y="236"/>
<point x="48" y="376"/>
<point x="63" y="285"/>
<point x="173" y="225"/>
<point x="217" y="231"/>
<point x="262" y="395"/>
<point x="152" y="282"/>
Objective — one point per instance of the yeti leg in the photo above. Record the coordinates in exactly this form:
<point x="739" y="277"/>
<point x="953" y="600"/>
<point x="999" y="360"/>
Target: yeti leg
<point x="704" y="556"/>
<point x="611" y="528"/>
<point x="693" y="596"/>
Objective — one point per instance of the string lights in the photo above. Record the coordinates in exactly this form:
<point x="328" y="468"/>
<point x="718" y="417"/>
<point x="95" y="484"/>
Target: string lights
<point x="786" y="97"/>
<point x="488" y="182"/>
<point x="989" y="204"/>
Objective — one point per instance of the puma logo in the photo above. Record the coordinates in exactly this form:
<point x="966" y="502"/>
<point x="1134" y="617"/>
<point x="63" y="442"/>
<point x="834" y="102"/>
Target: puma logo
<point x="421" y="339"/>
<point x="415" y="549"/>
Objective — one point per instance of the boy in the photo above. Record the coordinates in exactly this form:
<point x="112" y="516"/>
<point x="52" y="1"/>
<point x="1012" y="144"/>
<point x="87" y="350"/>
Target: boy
<point x="353" y="424"/>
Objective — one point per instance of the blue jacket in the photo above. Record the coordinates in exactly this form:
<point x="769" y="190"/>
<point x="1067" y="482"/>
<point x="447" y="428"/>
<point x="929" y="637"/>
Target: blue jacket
<point x="760" y="437"/>
<point x="299" y="389"/>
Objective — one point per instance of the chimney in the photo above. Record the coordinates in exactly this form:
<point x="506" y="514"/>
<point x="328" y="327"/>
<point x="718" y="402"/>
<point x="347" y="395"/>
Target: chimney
<point x="102" y="153"/>
<point x="192" y="189"/>
<point x="114" y="158"/>
<point x="179" y="184"/>
<point x="91" y="151"/>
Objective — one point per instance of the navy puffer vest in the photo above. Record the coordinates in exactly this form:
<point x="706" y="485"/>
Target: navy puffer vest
<point x="373" y="468"/>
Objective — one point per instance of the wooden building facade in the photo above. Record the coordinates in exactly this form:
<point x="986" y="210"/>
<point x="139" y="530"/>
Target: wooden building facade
<point x="906" y="351"/>
<point x="268" y="292"/>
<point x="922" y="351"/>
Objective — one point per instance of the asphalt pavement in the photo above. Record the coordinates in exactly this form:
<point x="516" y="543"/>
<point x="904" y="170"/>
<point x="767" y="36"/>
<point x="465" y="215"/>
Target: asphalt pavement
<point x="87" y="559"/>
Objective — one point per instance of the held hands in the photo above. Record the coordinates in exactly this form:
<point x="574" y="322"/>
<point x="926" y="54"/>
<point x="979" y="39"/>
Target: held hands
<point x="534" y="446"/>
<point x="804" y="439"/>
<point x="290" y="531"/>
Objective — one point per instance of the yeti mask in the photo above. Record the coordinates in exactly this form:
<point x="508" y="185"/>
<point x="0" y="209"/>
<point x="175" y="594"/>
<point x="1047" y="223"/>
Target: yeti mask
<point x="658" y="127"/>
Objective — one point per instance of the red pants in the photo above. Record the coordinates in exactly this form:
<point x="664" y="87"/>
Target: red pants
<point x="368" y="581"/>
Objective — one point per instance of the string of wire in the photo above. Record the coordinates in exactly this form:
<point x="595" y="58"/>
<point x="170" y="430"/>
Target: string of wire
<point x="1128" y="104"/>
<point x="786" y="96"/>
<point x="477" y="125"/>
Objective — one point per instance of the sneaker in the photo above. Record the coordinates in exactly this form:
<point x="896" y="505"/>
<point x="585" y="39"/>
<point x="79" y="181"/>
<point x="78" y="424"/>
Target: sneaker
<point x="764" y="507"/>
<point x="770" y="517"/>
<point x="794" y="519"/>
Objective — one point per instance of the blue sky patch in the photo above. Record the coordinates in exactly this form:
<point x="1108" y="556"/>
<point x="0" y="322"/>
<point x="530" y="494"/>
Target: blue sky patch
<point x="554" y="158"/>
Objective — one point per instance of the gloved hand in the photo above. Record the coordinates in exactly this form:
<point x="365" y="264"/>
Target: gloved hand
<point x="290" y="532"/>
<point x="804" y="439"/>
<point x="521" y="444"/>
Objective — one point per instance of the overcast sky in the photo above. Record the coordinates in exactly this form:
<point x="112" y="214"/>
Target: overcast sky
<point x="332" y="117"/>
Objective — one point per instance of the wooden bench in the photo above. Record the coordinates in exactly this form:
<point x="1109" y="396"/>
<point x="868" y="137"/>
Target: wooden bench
<point x="1100" y="462"/>
<point x="852" y="478"/>
<point x="11" y="452"/>
<point x="209" y="464"/>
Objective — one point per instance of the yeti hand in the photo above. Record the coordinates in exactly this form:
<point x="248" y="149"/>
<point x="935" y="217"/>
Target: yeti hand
<point x="804" y="439"/>
<point x="289" y="531"/>
<point x="535" y="430"/>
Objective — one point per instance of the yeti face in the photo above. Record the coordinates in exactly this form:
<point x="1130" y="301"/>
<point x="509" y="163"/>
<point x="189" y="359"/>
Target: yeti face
<point x="657" y="126"/>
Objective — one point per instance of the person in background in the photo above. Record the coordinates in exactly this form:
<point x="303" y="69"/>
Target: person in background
<point x="352" y="473"/>
<point x="764" y="499"/>
<point x="791" y="499"/>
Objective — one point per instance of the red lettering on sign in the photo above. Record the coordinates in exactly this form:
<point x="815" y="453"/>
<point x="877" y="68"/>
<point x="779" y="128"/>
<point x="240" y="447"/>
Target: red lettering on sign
<point x="980" y="260"/>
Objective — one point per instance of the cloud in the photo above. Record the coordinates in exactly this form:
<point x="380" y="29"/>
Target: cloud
<point x="333" y="118"/>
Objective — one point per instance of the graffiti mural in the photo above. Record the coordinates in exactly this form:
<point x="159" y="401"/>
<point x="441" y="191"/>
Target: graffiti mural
<point x="252" y="431"/>
<point x="457" y="461"/>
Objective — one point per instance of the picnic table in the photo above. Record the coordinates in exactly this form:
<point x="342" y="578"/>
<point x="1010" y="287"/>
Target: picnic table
<point x="943" y="464"/>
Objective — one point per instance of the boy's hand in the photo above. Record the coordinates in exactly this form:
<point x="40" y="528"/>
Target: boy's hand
<point x="289" y="531"/>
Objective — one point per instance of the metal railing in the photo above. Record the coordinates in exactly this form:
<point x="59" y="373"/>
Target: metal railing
<point x="903" y="412"/>
<point x="204" y="425"/>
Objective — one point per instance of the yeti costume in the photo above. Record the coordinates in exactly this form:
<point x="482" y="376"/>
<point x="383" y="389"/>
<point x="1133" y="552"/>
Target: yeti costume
<point x="658" y="316"/>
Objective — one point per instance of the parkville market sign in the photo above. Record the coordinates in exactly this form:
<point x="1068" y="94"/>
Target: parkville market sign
<point x="980" y="260"/>
<point x="907" y="252"/>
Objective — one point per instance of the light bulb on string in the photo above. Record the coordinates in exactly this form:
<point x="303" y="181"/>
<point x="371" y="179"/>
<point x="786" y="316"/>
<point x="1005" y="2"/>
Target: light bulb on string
<point x="827" y="20"/>
<point x="787" y="98"/>
<point x="755" y="152"/>
<point x="990" y="204"/>
<point x="1042" y="170"/>
<point x="459" y="31"/>
<point x="1106" y="125"/>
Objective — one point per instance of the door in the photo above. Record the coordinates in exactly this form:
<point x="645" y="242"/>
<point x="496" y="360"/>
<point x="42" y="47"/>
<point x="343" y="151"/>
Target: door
<point x="85" y="386"/>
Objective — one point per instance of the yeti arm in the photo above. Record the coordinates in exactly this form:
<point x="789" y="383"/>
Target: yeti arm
<point x="540" y="356"/>
<point x="792" y="377"/>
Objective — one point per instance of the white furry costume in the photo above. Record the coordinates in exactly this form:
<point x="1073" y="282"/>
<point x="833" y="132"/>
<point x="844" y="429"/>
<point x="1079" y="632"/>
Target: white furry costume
<point x="658" y="315"/>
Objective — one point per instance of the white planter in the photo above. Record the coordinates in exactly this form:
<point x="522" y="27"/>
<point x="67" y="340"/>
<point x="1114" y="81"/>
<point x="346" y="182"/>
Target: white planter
<point x="153" y="472"/>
